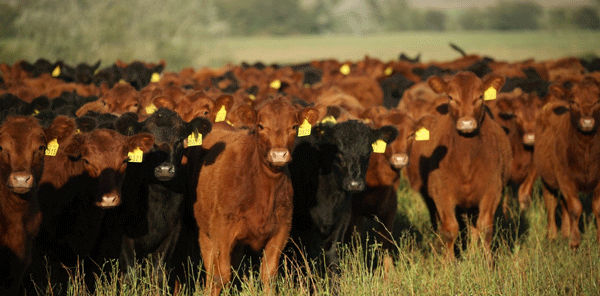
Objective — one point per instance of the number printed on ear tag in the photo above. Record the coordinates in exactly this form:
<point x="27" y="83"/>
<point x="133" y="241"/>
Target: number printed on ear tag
<point x="194" y="139"/>
<point x="304" y="129"/>
<point x="52" y="148"/>
<point x="489" y="94"/>
<point x="136" y="156"/>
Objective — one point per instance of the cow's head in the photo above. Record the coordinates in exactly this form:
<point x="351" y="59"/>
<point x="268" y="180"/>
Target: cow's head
<point x="105" y="154"/>
<point x="465" y="93"/>
<point x="276" y="125"/>
<point x="22" y="146"/>
<point x="120" y="99"/>
<point x="397" y="151"/>
<point x="583" y="101"/>
<point x="352" y="144"/>
<point x="171" y="138"/>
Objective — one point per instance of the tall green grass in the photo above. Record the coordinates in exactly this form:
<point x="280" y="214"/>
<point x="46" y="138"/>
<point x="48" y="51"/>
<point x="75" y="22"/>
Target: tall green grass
<point x="525" y="263"/>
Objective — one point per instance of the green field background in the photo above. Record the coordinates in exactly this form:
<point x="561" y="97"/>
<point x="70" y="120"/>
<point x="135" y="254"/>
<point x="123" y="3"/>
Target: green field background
<point x="217" y="52"/>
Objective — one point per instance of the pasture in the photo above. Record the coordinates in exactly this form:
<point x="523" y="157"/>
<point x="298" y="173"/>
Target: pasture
<point x="526" y="263"/>
<point x="218" y="51"/>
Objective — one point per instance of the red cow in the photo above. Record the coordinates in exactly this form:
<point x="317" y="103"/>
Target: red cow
<point x="466" y="162"/>
<point x="567" y="154"/>
<point x="22" y="146"/>
<point x="118" y="100"/>
<point x="244" y="193"/>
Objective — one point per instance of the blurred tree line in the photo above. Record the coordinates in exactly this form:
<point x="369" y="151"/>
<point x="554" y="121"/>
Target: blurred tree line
<point x="82" y="29"/>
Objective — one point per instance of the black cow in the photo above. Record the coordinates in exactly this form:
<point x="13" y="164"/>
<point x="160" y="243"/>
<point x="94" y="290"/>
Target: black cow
<point x="328" y="167"/>
<point x="155" y="190"/>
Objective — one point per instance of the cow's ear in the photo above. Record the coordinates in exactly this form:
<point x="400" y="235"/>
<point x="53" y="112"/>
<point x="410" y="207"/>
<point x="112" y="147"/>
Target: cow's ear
<point x="495" y="81"/>
<point x="198" y="125"/>
<point x="163" y="101"/>
<point x="86" y="124"/>
<point x="143" y="141"/>
<point x="387" y="133"/>
<point x="310" y="114"/>
<point x="128" y="124"/>
<point x="323" y="132"/>
<point x="437" y="84"/>
<point x="74" y="149"/>
<point x="557" y="91"/>
<point x="61" y="128"/>
<point x="224" y="100"/>
<point x="246" y="115"/>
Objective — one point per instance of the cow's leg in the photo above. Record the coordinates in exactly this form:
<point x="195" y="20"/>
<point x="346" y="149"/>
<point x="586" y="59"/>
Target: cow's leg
<point x="551" y="202"/>
<point x="485" y="220"/>
<point x="596" y="210"/>
<point x="565" y="225"/>
<point x="217" y="260"/>
<point x="271" y="255"/>
<point x="574" y="208"/>
<point x="387" y="215"/>
<point x="526" y="189"/>
<point x="448" y="226"/>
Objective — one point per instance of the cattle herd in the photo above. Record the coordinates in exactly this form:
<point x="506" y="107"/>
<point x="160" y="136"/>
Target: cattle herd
<point x="130" y="160"/>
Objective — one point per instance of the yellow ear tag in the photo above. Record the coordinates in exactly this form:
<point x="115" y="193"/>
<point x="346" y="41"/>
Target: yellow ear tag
<point x="221" y="114"/>
<point x="252" y="97"/>
<point x="229" y="122"/>
<point x="122" y="81"/>
<point x="422" y="134"/>
<point x="155" y="77"/>
<point x="52" y="148"/>
<point x="304" y="129"/>
<point x="151" y="109"/>
<point x="276" y="84"/>
<point x="489" y="94"/>
<point x="194" y="139"/>
<point x="35" y="112"/>
<point x="329" y="119"/>
<point x="345" y="69"/>
<point x="78" y="131"/>
<point x="136" y="156"/>
<point x="306" y="85"/>
<point x="388" y="71"/>
<point x="379" y="146"/>
<point x="56" y="71"/>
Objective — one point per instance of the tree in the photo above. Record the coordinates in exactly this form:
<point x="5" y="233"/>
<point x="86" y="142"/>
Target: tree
<point x="586" y="18"/>
<point x="435" y="20"/>
<point x="8" y="15"/>
<point x="515" y="15"/>
<point x="472" y="19"/>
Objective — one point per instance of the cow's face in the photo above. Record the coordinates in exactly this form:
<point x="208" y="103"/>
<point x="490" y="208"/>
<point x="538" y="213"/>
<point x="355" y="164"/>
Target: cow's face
<point x="354" y="143"/>
<point x="583" y="100"/>
<point x="277" y="123"/>
<point x="526" y="107"/>
<point x="104" y="154"/>
<point x="397" y="151"/>
<point x="171" y="134"/>
<point x="22" y="146"/>
<point x="465" y="93"/>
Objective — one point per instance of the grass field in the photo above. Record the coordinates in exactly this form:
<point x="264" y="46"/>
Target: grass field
<point x="510" y="46"/>
<point x="525" y="263"/>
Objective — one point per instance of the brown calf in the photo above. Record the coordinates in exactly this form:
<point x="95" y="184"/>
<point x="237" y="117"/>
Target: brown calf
<point x="466" y="162"/>
<point x="244" y="193"/>
<point x="567" y="154"/>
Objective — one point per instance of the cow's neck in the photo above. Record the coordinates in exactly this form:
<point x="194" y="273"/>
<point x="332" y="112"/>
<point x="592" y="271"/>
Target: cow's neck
<point x="20" y="216"/>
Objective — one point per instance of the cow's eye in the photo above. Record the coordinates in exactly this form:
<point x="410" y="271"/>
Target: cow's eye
<point x="260" y="127"/>
<point x="42" y="148"/>
<point x="126" y="160"/>
<point x="0" y="148"/>
<point x="103" y="103"/>
<point x="295" y="127"/>
<point x="86" y="161"/>
<point x="205" y="112"/>
<point x="481" y="97"/>
<point x="450" y="97"/>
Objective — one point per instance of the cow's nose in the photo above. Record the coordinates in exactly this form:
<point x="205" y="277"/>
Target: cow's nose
<point x="20" y="182"/>
<point x="164" y="172"/>
<point x="399" y="160"/>
<point x="279" y="156"/>
<point x="354" y="185"/>
<point x="529" y="139"/>
<point x="466" y="125"/>
<point x="109" y="200"/>
<point x="587" y="124"/>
